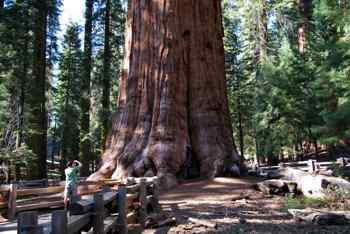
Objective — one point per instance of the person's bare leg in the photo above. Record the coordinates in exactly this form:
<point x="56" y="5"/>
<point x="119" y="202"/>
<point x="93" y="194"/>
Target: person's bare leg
<point x="65" y="202"/>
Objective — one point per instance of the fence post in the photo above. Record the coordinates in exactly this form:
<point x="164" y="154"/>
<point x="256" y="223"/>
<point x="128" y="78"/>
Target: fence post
<point x="98" y="224"/>
<point x="156" y="195"/>
<point x="143" y="200"/>
<point x="59" y="223"/>
<point x="312" y="166"/>
<point x="341" y="161"/>
<point x="12" y="201"/>
<point x="122" y="221"/>
<point x="28" y="223"/>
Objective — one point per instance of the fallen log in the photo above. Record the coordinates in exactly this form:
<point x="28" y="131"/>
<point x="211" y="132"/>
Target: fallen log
<point x="321" y="217"/>
<point x="167" y="222"/>
<point x="159" y="220"/>
<point x="277" y="186"/>
<point x="152" y="220"/>
<point x="202" y="222"/>
<point x="313" y="185"/>
<point x="240" y="197"/>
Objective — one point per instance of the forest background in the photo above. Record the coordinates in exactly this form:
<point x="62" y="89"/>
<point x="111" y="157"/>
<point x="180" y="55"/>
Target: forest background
<point x="287" y="72"/>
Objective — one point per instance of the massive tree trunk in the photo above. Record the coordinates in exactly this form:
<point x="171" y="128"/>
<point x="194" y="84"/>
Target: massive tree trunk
<point x="172" y="94"/>
<point x="85" y="145"/>
<point x="37" y="136"/>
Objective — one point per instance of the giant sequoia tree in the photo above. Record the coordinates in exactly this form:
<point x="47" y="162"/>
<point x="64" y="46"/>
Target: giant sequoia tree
<point x="172" y="106"/>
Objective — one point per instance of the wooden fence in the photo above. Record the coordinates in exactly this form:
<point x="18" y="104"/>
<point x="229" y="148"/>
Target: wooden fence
<point x="309" y="166"/>
<point x="15" y="198"/>
<point x="108" y="209"/>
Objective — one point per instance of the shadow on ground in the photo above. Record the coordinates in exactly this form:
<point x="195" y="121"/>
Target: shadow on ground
<point x="211" y="201"/>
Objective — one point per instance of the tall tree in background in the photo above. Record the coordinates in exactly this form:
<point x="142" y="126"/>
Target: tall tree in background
<point x="305" y="9"/>
<point x="37" y="122"/>
<point x="67" y="97"/>
<point x="22" y="81"/>
<point x="16" y="41"/>
<point x="240" y="88"/>
<point x="85" y="144"/>
<point x="106" y="69"/>
<point x="254" y="36"/>
<point x="172" y="95"/>
<point x="106" y="75"/>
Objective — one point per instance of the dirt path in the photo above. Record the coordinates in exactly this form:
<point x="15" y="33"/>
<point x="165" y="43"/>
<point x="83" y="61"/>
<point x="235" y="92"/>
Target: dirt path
<point x="211" y="201"/>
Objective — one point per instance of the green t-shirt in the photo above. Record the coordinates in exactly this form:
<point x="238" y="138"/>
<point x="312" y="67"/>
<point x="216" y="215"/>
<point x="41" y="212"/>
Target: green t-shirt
<point x="71" y="176"/>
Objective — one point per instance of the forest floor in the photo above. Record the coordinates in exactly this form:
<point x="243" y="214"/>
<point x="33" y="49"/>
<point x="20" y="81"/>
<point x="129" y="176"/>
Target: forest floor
<point x="219" y="202"/>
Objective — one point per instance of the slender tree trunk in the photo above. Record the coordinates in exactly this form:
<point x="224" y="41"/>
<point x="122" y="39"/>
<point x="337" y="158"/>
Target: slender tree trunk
<point x="63" y="154"/>
<point x="172" y="93"/>
<point x="259" y="59"/>
<point x="37" y="139"/>
<point x="2" y="4"/>
<point x="305" y="9"/>
<point x="261" y="49"/>
<point x="22" y="81"/>
<point x="85" y="145"/>
<point x="240" y="121"/>
<point x="106" y="76"/>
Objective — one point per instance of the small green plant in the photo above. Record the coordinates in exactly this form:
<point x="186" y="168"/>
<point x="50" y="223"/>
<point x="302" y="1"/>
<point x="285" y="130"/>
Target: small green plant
<point x="301" y="202"/>
<point x="314" y="202"/>
<point x="292" y="202"/>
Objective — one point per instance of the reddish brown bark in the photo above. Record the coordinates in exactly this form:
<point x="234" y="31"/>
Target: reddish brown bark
<point x="172" y="93"/>
<point x="305" y="9"/>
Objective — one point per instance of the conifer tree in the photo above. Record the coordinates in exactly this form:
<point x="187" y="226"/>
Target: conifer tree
<point x="37" y="120"/>
<point x="67" y="96"/>
<point x="85" y="144"/>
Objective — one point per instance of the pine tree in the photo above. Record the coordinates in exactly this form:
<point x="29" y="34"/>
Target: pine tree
<point x="67" y="96"/>
<point x="239" y="90"/>
<point x="105" y="86"/>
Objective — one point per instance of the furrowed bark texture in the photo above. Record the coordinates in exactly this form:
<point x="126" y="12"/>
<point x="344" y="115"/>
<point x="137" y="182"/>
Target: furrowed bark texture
<point x="37" y="121"/>
<point x="85" y="144"/>
<point x="172" y="93"/>
<point x="106" y="92"/>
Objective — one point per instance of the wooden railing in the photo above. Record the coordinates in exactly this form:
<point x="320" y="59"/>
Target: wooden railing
<point x="16" y="199"/>
<point x="141" y="197"/>
<point x="95" y="220"/>
<point x="309" y="166"/>
<point x="111" y="208"/>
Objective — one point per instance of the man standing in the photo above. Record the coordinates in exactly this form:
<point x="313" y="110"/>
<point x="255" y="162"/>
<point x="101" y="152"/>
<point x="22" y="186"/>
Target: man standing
<point x="71" y="173"/>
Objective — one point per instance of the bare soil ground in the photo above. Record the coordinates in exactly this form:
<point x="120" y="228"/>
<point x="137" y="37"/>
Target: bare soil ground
<point x="211" y="201"/>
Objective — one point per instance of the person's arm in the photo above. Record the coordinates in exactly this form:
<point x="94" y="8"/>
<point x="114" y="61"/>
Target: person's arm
<point x="79" y="163"/>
